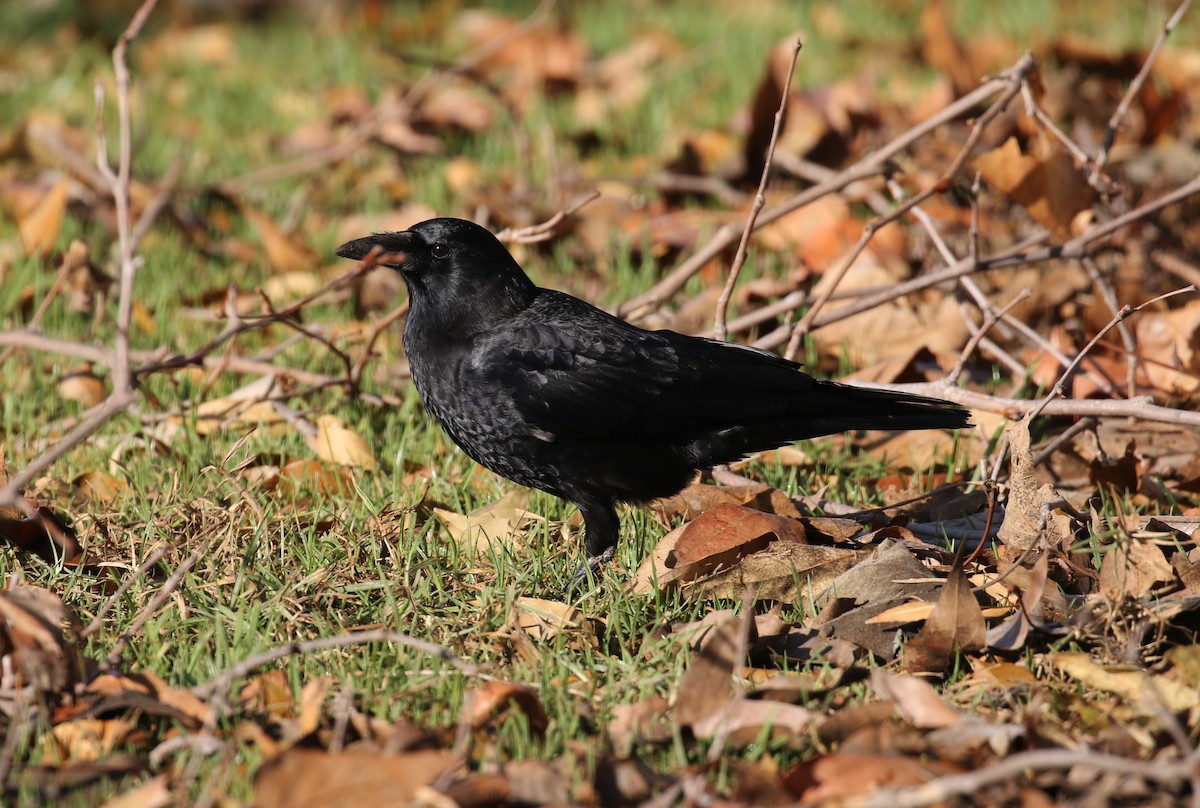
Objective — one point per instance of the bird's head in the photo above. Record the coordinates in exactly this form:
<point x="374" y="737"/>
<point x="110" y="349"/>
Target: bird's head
<point x="457" y="272"/>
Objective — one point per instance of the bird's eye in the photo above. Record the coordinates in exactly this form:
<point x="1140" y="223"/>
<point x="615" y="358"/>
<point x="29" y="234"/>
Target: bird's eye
<point x="440" y="250"/>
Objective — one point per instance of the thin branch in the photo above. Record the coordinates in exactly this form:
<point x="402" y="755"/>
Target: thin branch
<point x="1135" y="86"/>
<point x="760" y="199"/>
<point x="945" y="789"/>
<point x="1126" y="311"/>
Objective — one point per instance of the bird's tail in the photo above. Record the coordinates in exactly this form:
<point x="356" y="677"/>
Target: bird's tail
<point x="828" y="408"/>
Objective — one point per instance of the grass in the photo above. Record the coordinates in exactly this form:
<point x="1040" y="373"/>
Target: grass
<point x="285" y="567"/>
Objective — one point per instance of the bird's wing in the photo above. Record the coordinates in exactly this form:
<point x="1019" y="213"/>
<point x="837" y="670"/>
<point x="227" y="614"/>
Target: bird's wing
<point x="575" y="371"/>
<point x="585" y="381"/>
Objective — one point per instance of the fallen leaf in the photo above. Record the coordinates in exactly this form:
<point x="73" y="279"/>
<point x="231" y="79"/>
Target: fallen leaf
<point x="335" y="442"/>
<point x="40" y="227"/>
<point x="310" y="778"/>
<point x="956" y="625"/>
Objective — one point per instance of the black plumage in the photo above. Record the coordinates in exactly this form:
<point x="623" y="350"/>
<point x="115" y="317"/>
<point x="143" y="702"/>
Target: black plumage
<point x="555" y="394"/>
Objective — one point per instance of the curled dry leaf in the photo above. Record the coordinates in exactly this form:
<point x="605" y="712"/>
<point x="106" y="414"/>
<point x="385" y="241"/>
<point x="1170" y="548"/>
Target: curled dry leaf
<point x="38" y="640"/>
<point x="1132" y="568"/>
<point x="40" y="226"/>
<point x="498" y="524"/>
<point x="311" y="778"/>
<point x="1140" y="689"/>
<point x="97" y="487"/>
<point x="81" y="385"/>
<point x="286" y="252"/>
<point x="1051" y="189"/>
<point x="335" y="442"/>
<point x="956" y="624"/>
<point x="491" y="700"/>
<point x="545" y="619"/>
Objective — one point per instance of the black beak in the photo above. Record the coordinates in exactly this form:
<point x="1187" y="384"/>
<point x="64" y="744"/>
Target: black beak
<point x="393" y="247"/>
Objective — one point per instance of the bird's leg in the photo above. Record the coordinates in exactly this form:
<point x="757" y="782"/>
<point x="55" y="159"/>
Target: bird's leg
<point x="602" y="528"/>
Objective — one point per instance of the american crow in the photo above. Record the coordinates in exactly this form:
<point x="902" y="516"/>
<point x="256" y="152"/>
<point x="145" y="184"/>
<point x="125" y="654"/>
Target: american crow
<point x="553" y="393"/>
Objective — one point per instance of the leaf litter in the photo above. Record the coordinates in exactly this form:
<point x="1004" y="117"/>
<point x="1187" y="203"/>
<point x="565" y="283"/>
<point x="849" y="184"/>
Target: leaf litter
<point x="904" y="653"/>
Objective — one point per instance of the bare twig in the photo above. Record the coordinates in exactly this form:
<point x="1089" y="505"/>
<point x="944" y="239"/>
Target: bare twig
<point x="544" y="231"/>
<point x="760" y="199"/>
<point x="989" y="321"/>
<point x="340" y="641"/>
<point x="1135" y="86"/>
<point x="119" y="185"/>
<point x="170" y="585"/>
<point x="1126" y="311"/>
<point x="945" y="789"/>
<point x="98" y="621"/>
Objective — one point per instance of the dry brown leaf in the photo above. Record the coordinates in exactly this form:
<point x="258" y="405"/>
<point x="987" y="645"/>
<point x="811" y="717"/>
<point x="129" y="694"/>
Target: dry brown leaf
<point x="310" y="778"/>
<point x="915" y="699"/>
<point x="148" y="683"/>
<point x="743" y="721"/>
<point x="955" y="625"/>
<point x="335" y="442"/>
<point x="97" y="487"/>
<point x="269" y="694"/>
<point x="1052" y="189"/>
<point x="707" y="684"/>
<point x="941" y="48"/>
<point x="40" y="227"/>
<point x="498" y="523"/>
<point x="315" y="476"/>
<point x="38" y="639"/>
<point x="644" y="721"/>
<point x="84" y="739"/>
<point x="718" y="537"/>
<point x="286" y="252"/>
<point x="784" y="572"/>
<point x="490" y="700"/>
<point x="154" y="793"/>
<point x="1132" y="568"/>
<point x="545" y="619"/>
<point x="838" y="778"/>
<point x="312" y="698"/>
<point x="81" y="385"/>
<point x="1140" y="689"/>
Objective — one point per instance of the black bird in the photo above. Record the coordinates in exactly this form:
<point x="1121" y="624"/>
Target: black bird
<point x="553" y="393"/>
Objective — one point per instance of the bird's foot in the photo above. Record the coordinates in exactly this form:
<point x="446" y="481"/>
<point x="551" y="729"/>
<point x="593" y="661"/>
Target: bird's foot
<point x="588" y="575"/>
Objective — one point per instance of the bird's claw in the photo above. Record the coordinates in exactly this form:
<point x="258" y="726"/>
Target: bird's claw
<point x="587" y="575"/>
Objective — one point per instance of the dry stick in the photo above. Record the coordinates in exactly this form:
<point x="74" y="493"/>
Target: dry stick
<point x="340" y="641"/>
<point x="543" y="232"/>
<point x="10" y="492"/>
<point x="944" y="789"/>
<point x="991" y="318"/>
<point x="368" y="353"/>
<point x="991" y="315"/>
<point x="1110" y="299"/>
<point x="1168" y="262"/>
<point x="170" y="585"/>
<point x="1126" y="311"/>
<point x="98" y="621"/>
<point x="119" y="184"/>
<point x="1035" y="111"/>
<point x="760" y="199"/>
<point x="1047" y="451"/>
<point x="960" y="160"/>
<point x="1135" y="86"/>
<point x="869" y="166"/>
